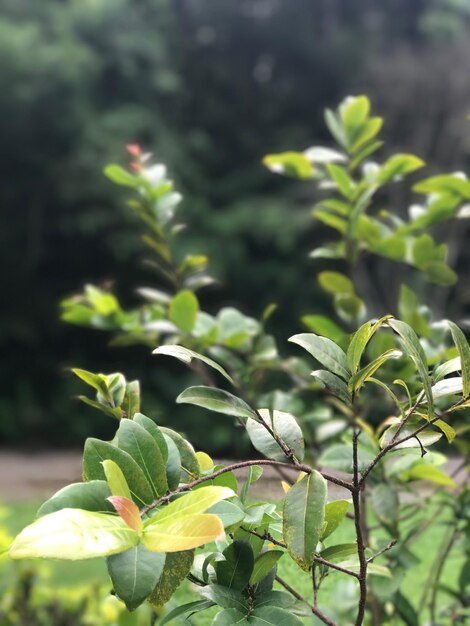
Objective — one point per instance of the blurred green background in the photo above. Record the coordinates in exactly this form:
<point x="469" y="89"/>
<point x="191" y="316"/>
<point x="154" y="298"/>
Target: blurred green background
<point x="210" y="86"/>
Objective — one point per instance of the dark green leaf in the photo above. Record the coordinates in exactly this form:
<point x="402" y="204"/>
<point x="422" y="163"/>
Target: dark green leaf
<point x="189" y="462"/>
<point x="264" y="564"/>
<point x="91" y="496"/>
<point x="173" y="464"/>
<point x="236" y="570"/>
<point x="216" y="400"/>
<point x="303" y="518"/>
<point x="325" y="352"/>
<point x="191" y="607"/>
<point x="97" y="451"/>
<point x="226" y="598"/>
<point x="337" y="386"/>
<point x="177" y="567"/>
<point x="135" y="573"/>
<point x="141" y="446"/>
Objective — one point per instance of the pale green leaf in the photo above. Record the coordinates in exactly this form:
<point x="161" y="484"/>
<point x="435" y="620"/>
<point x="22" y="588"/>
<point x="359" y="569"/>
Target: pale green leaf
<point x="282" y="424"/>
<point x="216" y="400"/>
<point x="186" y="355"/>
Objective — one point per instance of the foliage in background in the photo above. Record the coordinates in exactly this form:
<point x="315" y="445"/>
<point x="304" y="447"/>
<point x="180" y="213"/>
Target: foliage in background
<point x="213" y="85"/>
<point x="148" y="499"/>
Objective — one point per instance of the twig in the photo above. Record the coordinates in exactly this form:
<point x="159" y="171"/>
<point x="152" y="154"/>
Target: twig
<point x="235" y="466"/>
<point x="315" y="610"/>
<point x="361" y="548"/>
<point x="388" y="547"/>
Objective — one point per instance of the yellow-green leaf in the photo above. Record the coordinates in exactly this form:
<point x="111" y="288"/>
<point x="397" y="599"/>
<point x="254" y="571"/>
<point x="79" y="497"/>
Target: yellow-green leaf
<point x="174" y="535"/>
<point x="116" y="480"/>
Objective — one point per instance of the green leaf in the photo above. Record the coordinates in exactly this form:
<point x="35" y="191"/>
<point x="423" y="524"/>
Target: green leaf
<point x="264" y="563"/>
<point x="341" y="178"/>
<point x="399" y="165"/>
<point x="325" y="352"/>
<point x="369" y="370"/>
<point x="254" y="473"/>
<point x="274" y="598"/>
<point x="226" y="598"/>
<point x="424" y="471"/>
<point x="189" y="462"/>
<point x="97" y="451"/>
<point x="335" y="512"/>
<point x="216" y="400"/>
<point x="141" y="446"/>
<point x="322" y="325"/>
<point x="229" y="513"/>
<point x="153" y="430"/>
<point x="229" y="617"/>
<point x="384" y="500"/>
<point x="134" y="574"/>
<point x="415" y="351"/>
<point x="177" y="567"/>
<point x="97" y="381"/>
<point x="131" y="403"/>
<point x="393" y="247"/>
<point x="272" y="616"/>
<point x="335" y="282"/>
<point x="235" y="571"/>
<point x="336" y="385"/>
<point x="91" y="496"/>
<point x="447" y="387"/>
<point x="367" y="132"/>
<point x="339" y="456"/>
<point x="439" y="273"/>
<point x="354" y="111"/>
<point x="173" y="464"/>
<point x="282" y="424"/>
<point x="303" y="518"/>
<point x="335" y="128"/>
<point x="464" y="351"/>
<point x="449" y="367"/>
<point x="186" y="355"/>
<point x="116" y="480"/>
<point x="357" y="346"/>
<point x="73" y="534"/>
<point x="120" y="176"/>
<point x="448" y="431"/>
<point x="191" y="607"/>
<point x="426" y="437"/>
<point x="183" y="311"/>
<point x="293" y="164"/>
<point x="339" y="552"/>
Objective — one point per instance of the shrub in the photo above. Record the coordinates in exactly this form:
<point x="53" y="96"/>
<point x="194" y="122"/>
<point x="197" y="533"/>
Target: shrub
<point x="365" y="422"/>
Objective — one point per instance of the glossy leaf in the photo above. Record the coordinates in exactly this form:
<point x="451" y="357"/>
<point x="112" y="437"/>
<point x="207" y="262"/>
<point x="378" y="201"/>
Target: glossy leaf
<point x="192" y="503"/>
<point x="141" y="446"/>
<point x="235" y="571"/>
<point x="284" y="426"/>
<point x="134" y="574"/>
<point x="447" y="387"/>
<point x="173" y="464"/>
<point x="185" y="533"/>
<point x="216" y="400"/>
<point x="177" y="567"/>
<point x="186" y="355"/>
<point x="97" y="451"/>
<point x="415" y="350"/>
<point x="91" y="496"/>
<point x="115" y="479"/>
<point x="263" y="564"/>
<point x="73" y="534"/>
<point x="183" y="311"/>
<point x="325" y="352"/>
<point x="335" y="512"/>
<point x="357" y="346"/>
<point x="303" y="518"/>
<point x="464" y="351"/>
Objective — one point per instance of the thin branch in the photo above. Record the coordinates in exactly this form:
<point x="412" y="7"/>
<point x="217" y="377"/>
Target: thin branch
<point x="315" y="610"/>
<point x="361" y="548"/>
<point x="388" y="547"/>
<point x="235" y="466"/>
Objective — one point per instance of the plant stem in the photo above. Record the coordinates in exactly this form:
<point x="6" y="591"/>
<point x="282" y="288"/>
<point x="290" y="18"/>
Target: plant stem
<point x="315" y="610"/>
<point x="358" y="522"/>
<point x="235" y="466"/>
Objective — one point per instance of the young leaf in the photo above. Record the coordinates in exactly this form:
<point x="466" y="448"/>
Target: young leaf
<point x="186" y="355"/>
<point x="216" y="400"/>
<point x="282" y="424"/>
<point x="91" y="496"/>
<point x="141" y="446"/>
<point x="464" y="352"/>
<point x="303" y="518"/>
<point x="134" y="574"/>
<point x="128" y="511"/>
<point x="192" y="503"/>
<point x="182" y="533"/>
<point x="73" y="534"/>
<point x="325" y="352"/>
<point x="97" y="451"/>
<point x="116" y="479"/>
<point x="357" y="346"/>
<point x="177" y="567"/>
<point x="235" y="571"/>
<point x="183" y="310"/>
<point x="415" y="350"/>
<point x="369" y="370"/>
<point x="335" y="512"/>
